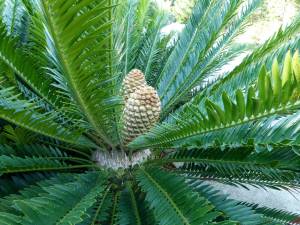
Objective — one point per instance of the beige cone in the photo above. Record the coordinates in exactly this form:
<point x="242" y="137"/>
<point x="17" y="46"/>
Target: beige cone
<point x="141" y="112"/>
<point x="133" y="80"/>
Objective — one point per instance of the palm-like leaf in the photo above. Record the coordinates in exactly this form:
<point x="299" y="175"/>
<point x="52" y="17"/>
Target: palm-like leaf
<point x="73" y="41"/>
<point x="268" y="97"/>
<point x="62" y="159"/>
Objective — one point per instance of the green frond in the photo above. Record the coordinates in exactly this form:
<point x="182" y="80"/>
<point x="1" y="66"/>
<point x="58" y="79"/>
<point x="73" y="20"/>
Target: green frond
<point x="260" y="102"/>
<point x="43" y="93"/>
<point x="280" y="157"/>
<point x="71" y="209"/>
<point x="12" y="164"/>
<point x="247" y="71"/>
<point x="173" y="206"/>
<point x="71" y="149"/>
<point x="113" y="220"/>
<point x="132" y="18"/>
<point x="147" y="215"/>
<point x="231" y="208"/>
<point x="13" y="14"/>
<point x="18" y="135"/>
<point x="244" y="74"/>
<point x="90" y="83"/>
<point x="25" y="114"/>
<point x="276" y="216"/>
<point x="263" y="134"/>
<point x="22" y="65"/>
<point x="16" y="182"/>
<point x="208" y="53"/>
<point x="77" y="213"/>
<point x="7" y="150"/>
<point x="186" y="39"/>
<point x="128" y="208"/>
<point x="153" y="47"/>
<point x="231" y="174"/>
<point x="36" y="45"/>
<point x="35" y="187"/>
<point x="32" y="150"/>
<point x="103" y="205"/>
<point x="46" y="152"/>
<point x="239" y="166"/>
<point x="7" y="218"/>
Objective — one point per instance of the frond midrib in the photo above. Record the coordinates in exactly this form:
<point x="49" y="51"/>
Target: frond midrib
<point x="37" y="130"/>
<point x="90" y="191"/>
<point x="157" y="35"/>
<point x="73" y="85"/>
<point x="180" y="95"/>
<point x="187" y="52"/>
<point x="168" y="197"/>
<point x="23" y="77"/>
<point x="222" y="126"/>
<point x="47" y="169"/>
<point x="100" y="205"/>
<point x="252" y="181"/>
<point x="133" y="203"/>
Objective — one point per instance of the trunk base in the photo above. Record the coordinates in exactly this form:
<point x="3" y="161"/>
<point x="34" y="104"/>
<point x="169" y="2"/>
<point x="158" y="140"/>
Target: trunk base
<point x="119" y="160"/>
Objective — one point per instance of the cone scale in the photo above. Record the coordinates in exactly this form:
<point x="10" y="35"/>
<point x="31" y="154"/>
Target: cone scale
<point x="134" y="80"/>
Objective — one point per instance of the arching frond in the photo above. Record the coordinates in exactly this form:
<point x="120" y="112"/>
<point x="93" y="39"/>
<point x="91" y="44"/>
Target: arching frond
<point x="247" y="71"/>
<point x="128" y="208"/>
<point x="70" y="210"/>
<point x="22" y="65"/>
<point x="276" y="216"/>
<point x="102" y="207"/>
<point x="245" y="74"/>
<point x="173" y="206"/>
<point x="17" y="182"/>
<point x="207" y="53"/>
<point x="14" y="17"/>
<point x="33" y="189"/>
<point x="18" y="165"/>
<point x="128" y="36"/>
<point x="154" y="47"/>
<point x="240" y="166"/>
<point x="90" y="82"/>
<point x="231" y="208"/>
<point x="25" y="114"/>
<point x="273" y="94"/>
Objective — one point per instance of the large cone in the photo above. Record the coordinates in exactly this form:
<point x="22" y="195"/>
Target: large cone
<point x="133" y="80"/>
<point x="141" y="112"/>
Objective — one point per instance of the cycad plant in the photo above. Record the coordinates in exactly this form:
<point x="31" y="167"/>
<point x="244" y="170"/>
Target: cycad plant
<point x="105" y="120"/>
